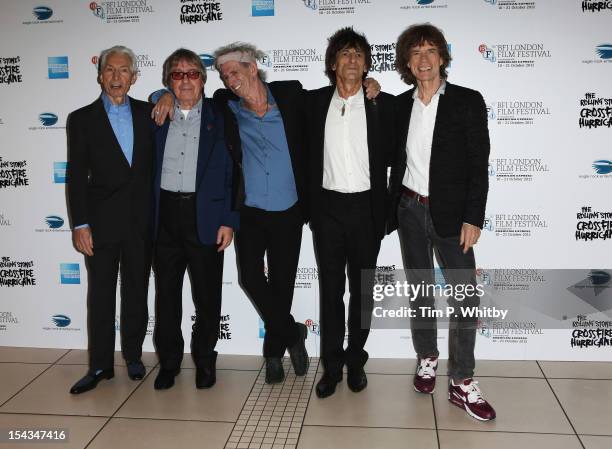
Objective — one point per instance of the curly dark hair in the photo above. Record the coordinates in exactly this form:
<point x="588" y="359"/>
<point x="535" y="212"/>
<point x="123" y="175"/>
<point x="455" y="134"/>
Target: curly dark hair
<point x="341" y="39"/>
<point x="416" y="35"/>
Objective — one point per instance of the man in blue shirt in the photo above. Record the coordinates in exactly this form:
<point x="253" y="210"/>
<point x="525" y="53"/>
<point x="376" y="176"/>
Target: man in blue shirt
<point x="110" y="149"/>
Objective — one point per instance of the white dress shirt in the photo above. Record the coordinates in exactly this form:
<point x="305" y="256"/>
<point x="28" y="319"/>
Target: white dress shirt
<point x="346" y="163"/>
<point x="418" y="144"/>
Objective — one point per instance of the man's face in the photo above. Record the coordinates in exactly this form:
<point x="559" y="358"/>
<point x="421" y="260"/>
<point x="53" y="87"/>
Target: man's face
<point x="350" y="64"/>
<point x="188" y="90"/>
<point x="116" y="76"/>
<point x="424" y="62"/>
<point x="239" y="77"/>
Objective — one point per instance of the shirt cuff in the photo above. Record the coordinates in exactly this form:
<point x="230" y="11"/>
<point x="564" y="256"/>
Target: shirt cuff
<point x="86" y="225"/>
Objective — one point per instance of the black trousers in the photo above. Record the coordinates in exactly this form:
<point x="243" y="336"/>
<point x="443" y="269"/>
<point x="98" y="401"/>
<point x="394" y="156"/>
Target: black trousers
<point x="178" y="248"/>
<point x="345" y="241"/>
<point x="132" y="256"/>
<point x="419" y="240"/>
<point x="278" y="235"/>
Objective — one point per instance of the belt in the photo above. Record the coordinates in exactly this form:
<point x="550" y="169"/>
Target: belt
<point x="178" y="195"/>
<point x="411" y="194"/>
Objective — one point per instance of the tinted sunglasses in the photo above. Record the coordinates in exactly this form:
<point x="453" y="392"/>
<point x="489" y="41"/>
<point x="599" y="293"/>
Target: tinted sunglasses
<point x="179" y="76"/>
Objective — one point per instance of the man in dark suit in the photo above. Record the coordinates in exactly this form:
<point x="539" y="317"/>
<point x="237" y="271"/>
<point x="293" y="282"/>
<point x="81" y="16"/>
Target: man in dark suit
<point x="193" y="220"/>
<point x="439" y="186"/>
<point x="110" y="153"/>
<point x="351" y="145"/>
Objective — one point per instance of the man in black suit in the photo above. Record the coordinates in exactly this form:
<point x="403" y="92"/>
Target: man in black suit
<point x="110" y="149"/>
<point x="351" y="145"/>
<point x="439" y="186"/>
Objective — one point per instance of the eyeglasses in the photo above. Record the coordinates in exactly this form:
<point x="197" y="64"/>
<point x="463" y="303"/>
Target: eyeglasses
<point x="179" y="76"/>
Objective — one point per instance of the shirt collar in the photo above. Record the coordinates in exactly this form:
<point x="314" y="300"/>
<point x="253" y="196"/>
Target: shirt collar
<point x="357" y="98"/>
<point x="440" y="90"/>
<point x="110" y="107"/>
<point x="196" y="108"/>
<point x="239" y="103"/>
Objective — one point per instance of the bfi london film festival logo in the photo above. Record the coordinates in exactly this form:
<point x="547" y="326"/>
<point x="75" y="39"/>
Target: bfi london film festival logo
<point x="595" y="111"/>
<point x="123" y="11"/>
<point x="603" y="53"/>
<point x="306" y="277"/>
<point x="336" y="7"/>
<point x="262" y="8"/>
<point x="47" y="121"/>
<point x="517" y="169"/>
<point x="13" y="174"/>
<point x="518" y="55"/>
<point x="593" y="225"/>
<point x="291" y="59"/>
<point x="16" y="273"/>
<point x="8" y="319"/>
<point x="515" y="225"/>
<point x="521" y="112"/>
<point x="42" y="14"/>
<point x="425" y="4"/>
<point x="512" y="5"/>
<point x="143" y="61"/>
<point x="596" y="6"/>
<point x="192" y="12"/>
<point x="5" y="222"/>
<point x="10" y="70"/>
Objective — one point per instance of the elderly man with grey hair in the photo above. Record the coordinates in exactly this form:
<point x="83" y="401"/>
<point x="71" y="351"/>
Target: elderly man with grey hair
<point x="110" y="159"/>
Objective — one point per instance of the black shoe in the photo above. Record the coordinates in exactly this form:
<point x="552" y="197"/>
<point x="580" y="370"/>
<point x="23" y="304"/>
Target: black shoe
<point x="299" y="356"/>
<point x="356" y="379"/>
<point x="165" y="378"/>
<point x="136" y="370"/>
<point x="206" y="373"/>
<point x="275" y="373"/>
<point x="327" y="385"/>
<point x="91" y="379"/>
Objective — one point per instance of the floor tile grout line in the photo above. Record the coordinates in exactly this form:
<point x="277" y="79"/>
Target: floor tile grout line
<point x="433" y="406"/>
<point x="27" y="385"/>
<point x="149" y="372"/>
<point x="447" y="430"/>
<point x="309" y="397"/>
<point x="562" y="408"/>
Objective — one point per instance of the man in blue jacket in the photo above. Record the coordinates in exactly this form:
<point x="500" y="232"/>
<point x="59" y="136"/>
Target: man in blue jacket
<point x="193" y="220"/>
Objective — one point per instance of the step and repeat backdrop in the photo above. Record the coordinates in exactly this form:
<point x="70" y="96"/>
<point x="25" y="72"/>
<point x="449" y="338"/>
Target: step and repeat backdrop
<point x="543" y="66"/>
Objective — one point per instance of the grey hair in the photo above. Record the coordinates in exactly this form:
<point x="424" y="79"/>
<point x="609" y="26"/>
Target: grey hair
<point x="117" y="49"/>
<point x="243" y="47"/>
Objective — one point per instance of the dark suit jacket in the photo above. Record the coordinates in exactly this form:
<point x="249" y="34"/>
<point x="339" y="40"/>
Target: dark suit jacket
<point x="103" y="190"/>
<point x="458" y="170"/>
<point x="381" y="138"/>
<point x="290" y="99"/>
<point x="213" y="176"/>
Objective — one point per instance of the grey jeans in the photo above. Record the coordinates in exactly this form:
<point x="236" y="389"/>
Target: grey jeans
<point x="419" y="240"/>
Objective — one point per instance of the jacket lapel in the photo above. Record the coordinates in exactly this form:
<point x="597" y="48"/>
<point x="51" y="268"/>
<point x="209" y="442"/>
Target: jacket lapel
<point x="207" y="131"/>
<point x="373" y="130"/>
<point x="139" y="128"/>
<point x="323" y="100"/>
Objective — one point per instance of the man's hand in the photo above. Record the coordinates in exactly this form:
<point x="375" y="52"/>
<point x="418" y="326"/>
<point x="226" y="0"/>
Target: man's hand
<point x="469" y="236"/>
<point x="164" y="108"/>
<point x="224" y="237"/>
<point x="372" y="88"/>
<point x="83" y="241"/>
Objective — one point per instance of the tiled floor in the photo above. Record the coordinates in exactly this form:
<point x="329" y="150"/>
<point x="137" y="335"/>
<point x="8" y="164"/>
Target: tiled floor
<point x="539" y="404"/>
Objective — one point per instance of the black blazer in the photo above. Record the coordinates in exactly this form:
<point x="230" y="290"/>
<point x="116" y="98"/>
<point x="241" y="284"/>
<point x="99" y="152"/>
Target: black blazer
<point x="290" y="99"/>
<point x="458" y="170"/>
<point x="104" y="191"/>
<point x="381" y="143"/>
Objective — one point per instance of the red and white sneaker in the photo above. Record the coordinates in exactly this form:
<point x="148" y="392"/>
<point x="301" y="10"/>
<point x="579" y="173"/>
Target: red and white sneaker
<point x="425" y="377"/>
<point x="468" y="396"/>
